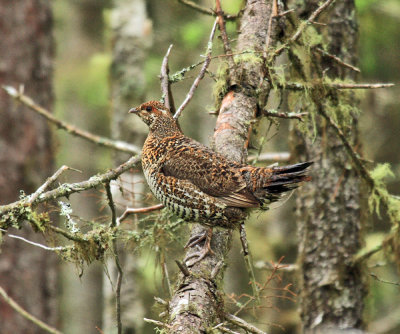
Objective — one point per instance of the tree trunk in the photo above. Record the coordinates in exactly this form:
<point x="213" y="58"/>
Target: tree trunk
<point x="328" y="207"/>
<point x="132" y="36"/>
<point x="27" y="273"/>
<point x="197" y="302"/>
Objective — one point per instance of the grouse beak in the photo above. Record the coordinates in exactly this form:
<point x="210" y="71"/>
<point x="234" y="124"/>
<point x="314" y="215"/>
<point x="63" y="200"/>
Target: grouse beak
<point x="133" y="111"/>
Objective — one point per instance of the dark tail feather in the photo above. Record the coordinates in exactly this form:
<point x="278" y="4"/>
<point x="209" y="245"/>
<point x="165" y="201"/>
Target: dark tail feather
<point x="292" y="168"/>
<point x="285" y="178"/>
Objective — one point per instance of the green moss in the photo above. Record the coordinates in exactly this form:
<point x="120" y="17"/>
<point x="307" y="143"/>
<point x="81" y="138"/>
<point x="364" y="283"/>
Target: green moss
<point x="221" y="85"/>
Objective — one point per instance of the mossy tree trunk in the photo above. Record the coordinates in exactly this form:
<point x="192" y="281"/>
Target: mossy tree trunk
<point x="197" y="302"/>
<point x="27" y="273"/>
<point x="328" y="207"/>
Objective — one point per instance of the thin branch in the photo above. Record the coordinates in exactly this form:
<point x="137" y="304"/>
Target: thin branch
<point x="130" y="211"/>
<point x="196" y="82"/>
<point x="205" y="10"/>
<point x="271" y="156"/>
<point x="227" y="330"/>
<point x="116" y="257"/>
<point x="365" y="255"/>
<point x="301" y="28"/>
<point x="111" y="205"/>
<point x="337" y="59"/>
<point x="67" y="235"/>
<point x="197" y="7"/>
<point x="165" y="270"/>
<point x="26" y="314"/>
<point x="69" y="128"/>
<point x="157" y="323"/>
<point x="165" y="83"/>
<point x="66" y="189"/>
<point x="183" y="268"/>
<point x="224" y="36"/>
<point x="337" y="85"/>
<point x="360" y="86"/>
<point x="353" y="154"/>
<point x="34" y="243"/>
<point x="48" y="182"/>
<point x="248" y="262"/>
<point x="289" y="115"/>
<point x="383" y="281"/>
<point x="242" y="324"/>
<point x="269" y="266"/>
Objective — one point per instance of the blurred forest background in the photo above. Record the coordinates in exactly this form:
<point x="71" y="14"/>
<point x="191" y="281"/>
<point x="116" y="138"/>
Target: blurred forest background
<point x="84" y="35"/>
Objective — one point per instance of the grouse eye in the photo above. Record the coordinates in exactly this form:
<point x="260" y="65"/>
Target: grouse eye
<point x="148" y="108"/>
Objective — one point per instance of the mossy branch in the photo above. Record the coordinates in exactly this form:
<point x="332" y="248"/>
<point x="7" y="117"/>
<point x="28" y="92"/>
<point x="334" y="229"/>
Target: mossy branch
<point x="14" y="212"/>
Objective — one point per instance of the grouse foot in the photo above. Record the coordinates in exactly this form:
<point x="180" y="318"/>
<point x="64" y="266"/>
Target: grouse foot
<point x="205" y="249"/>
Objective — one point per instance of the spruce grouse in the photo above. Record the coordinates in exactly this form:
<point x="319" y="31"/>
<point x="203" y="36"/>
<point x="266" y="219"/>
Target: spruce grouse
<point x="200" y="185"/>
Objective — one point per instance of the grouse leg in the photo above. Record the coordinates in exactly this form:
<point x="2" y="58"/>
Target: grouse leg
<point x="205" y="250"/>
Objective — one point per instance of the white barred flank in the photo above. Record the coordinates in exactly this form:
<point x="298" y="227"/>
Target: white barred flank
<point x="177" y="205"/>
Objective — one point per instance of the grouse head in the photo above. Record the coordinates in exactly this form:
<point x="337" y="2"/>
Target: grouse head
<point x="157" y="116"/>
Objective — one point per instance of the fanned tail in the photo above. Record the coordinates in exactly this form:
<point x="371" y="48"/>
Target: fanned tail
<point x="280" y="180"/>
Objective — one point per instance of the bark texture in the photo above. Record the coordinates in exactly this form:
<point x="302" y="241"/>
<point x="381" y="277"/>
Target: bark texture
<point x="131" y="38"/>
<point x="27" y="273"/>
<point x="328" y="207"/>
<point x="197" y="303"/>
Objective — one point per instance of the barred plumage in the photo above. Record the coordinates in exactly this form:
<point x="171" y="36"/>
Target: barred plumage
<point x="198" y="184"/>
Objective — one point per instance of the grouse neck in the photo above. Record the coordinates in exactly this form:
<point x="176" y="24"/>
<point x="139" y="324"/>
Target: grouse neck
<point x="164" y="127"/>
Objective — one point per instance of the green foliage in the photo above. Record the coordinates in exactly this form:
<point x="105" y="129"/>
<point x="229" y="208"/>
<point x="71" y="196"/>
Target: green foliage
<point x="192" y="33"/>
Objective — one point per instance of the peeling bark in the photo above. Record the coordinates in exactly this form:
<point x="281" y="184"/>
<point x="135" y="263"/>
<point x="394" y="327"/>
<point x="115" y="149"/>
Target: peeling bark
<point x="197" y="302"/>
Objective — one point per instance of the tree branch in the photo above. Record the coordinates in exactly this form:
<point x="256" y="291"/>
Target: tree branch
<point x="205" y="10"/>
<point x="130" y="211"/>
<point x="165" y="83"/>
<point x="242" y="324"/>
<point x="196" y="82"/>
<point x="301" y="28"/>
<point x="26" y="314"/>
<point x="12" y="212"/>
<point x="69" y="128"/>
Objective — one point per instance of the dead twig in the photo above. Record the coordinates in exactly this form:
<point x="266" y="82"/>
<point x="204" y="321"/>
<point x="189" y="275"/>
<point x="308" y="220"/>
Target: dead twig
<point x="48" y="182"/>
<point x="383" y="281"/>
<point x="289" y="115"/>
<point x="301" y="28"/>
<point x="205" y="10"/>
<point x="242" y="324"/>
<point x="157" y="323"/>
<point x="35" y="243"/>
<point x="248" y="261"/>
<point x="196" y="82"/>
<point x="116" y="257"/>
<point x="26" y="314"/>
<point x="337" y="59"/>
<point x="271" y="156"/>
<point x="224" y="36"/>
<point x="336" y="85"/>
<point x="69" y="128"/>
<point x="165" y="83"/>
<point x="183" y="268"/>
<point x="130" y="211"/>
